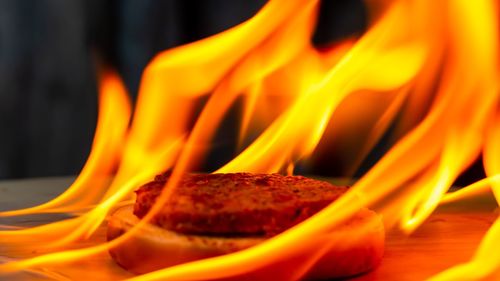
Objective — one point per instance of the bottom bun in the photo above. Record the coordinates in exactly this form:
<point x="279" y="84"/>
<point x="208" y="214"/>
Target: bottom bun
<point x="353" y="248"/>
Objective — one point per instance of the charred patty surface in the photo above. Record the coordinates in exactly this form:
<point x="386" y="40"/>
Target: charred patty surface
<point x="236" y="204"/>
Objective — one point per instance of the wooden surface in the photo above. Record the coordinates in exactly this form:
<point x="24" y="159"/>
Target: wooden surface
<point x="448" y="237"/>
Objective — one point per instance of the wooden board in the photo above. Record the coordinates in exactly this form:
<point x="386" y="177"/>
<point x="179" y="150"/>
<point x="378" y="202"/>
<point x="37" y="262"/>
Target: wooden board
<point x="448" y="237"/>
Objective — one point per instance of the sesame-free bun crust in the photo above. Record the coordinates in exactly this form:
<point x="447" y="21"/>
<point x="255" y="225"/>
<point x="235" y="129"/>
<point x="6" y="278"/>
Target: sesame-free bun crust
<point x="353" y="248"/>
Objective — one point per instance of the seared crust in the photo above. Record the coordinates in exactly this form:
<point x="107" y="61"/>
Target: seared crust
<point x="236" y="204"/>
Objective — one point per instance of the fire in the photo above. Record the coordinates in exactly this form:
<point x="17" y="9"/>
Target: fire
<point x="426" y="71"/>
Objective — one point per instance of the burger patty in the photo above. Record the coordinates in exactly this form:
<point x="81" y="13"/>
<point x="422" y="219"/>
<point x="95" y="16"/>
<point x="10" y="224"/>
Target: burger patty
<point x="236" y="204"/>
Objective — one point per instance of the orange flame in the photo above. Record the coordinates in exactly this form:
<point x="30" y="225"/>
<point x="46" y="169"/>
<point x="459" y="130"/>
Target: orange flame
<point x="425" y="71"/>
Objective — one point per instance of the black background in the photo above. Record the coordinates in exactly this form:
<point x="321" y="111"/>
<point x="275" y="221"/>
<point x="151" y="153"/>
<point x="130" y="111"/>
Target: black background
<point x="48" y="93"/>
<point x="48" y="96"/>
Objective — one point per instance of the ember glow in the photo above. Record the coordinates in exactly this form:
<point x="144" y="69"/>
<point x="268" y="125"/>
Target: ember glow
<point x="426" y="69"/>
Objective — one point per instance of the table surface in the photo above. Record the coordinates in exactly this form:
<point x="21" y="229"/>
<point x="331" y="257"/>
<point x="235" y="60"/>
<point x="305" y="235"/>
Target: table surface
<point x="448" y="237"/>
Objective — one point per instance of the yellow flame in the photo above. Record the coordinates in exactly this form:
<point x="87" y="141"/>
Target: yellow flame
<point x="89" y="187"/>
<point x="114" y="114"/>
<point x="425" y="71"/>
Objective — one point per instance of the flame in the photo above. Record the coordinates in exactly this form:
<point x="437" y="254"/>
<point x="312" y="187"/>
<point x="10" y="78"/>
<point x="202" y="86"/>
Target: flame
<point x="424" y="74"/>
<point x="114" y="114"/>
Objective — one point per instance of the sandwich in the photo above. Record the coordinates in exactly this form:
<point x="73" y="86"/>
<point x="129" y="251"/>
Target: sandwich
<point x="215" y="214"/>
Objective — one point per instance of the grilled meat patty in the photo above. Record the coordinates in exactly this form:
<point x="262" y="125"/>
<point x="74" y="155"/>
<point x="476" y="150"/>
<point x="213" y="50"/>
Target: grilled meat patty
<point x="236" y="204"/>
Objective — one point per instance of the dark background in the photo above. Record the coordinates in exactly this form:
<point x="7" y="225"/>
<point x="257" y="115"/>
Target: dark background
<point x="48" y="50"/>
<point x="48" y="96"/>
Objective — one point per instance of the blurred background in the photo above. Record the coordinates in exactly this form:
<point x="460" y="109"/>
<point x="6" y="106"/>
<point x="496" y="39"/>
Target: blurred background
<point x="48" y="49"/>
<point x="48" y="52"/>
